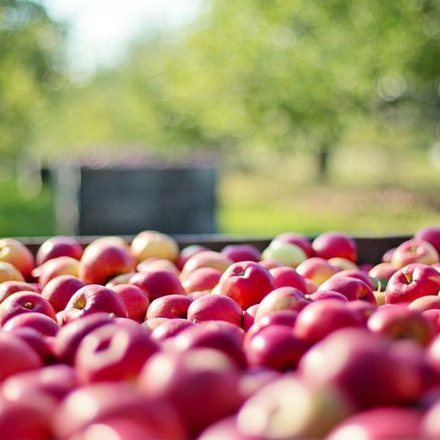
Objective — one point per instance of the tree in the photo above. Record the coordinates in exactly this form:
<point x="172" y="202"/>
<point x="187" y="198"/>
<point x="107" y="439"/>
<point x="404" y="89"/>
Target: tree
<point x="30" y="71"/>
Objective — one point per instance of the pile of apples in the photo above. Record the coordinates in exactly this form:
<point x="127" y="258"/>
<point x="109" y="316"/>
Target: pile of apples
<point x="144" y="340"/>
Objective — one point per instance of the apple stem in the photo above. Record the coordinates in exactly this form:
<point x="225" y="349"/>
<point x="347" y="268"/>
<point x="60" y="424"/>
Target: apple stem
<point x="413" y="246"/>
<point x="80" y="303"/>
<point x="407" y="276"/>
<point x="28" y="305"/>
<point x="379" y="286"/>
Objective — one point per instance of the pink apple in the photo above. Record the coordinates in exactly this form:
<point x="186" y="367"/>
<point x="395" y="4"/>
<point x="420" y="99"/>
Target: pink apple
<point x="24" y="302"/>
<point x="288" y="276"/>
<point x="153" y="244"/>
<point x="102" y="262"/>
<point x="297" y="239"/>
<point x="335" y="244"/>
<point x="114" y="352"/>
<point x="246" y="282"/>
<point x="412" y="282"/>
<point x="321" y="318"/>
<point x="94" y="298"/>
<point x="269" y="263"/>
<point x="226" y="428"/>
<point x="58" y="246"/>
<point x="71" y="335"/>
<point x="399" y="322"/>
<point x="7" y="288"/>
<point x="109" y="400"/>
<point x="364" y="309"/>
<point x="38" y="321"/>
<point x="414" y="251"/>
<point x="190" y="380"/>
<point x="134" y="299"/>
<point x="208" y="258"/>
<point x="241" y="252"/>
<point x="388" y="255"/>
<point x="283" y="298"/>
<point x="169" y="306"/>
<point x="359" y="274"/>
<point x="316" y="269"/>
<point x="215" y="307"/>
<point x="249" y="317"/>
<point x="157" y="264"/>
<point x="205" y="278"/>
<point x="382" y="272"/>
<point x="124" y="278"/>
<point x="352" y="288"/>
<point x="433" y="315"/>
<point x="8" y="272"/>
<point x="328" y="294"/>
<point x="157" y="283"/>
<point x="16" y="253"/>
<point x="343" y="263"/>
<point x="152" y="323"/>
<point x="431" y="234"/>
<point x="56" y="267"/>
<point x="424" y="303"/>
<point x="59" y="290"/>
<point x="170" y="328"/>
<point x="187" y="252"/>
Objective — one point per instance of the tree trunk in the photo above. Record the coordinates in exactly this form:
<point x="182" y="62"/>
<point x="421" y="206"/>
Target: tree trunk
<point x="323" y="163"/>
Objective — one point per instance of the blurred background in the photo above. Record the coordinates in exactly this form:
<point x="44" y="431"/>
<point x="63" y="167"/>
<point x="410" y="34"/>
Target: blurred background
<point x="288" y="115"/>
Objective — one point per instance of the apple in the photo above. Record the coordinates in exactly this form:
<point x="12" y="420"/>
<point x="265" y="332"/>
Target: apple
<point x="387" y="256"/>
<point x="215" y="307"/>
<point x="249" y="317"/>
<point x="241" y="252"/>
<point x="153" y="244"/>
<point x="316" y="269"/>
<point x="298" y="240"/>
<point x="190" y="380"/>
<point x="335" y="244"/>
<point x="157" y="263"/>
<point x="37" y="321"/>
<point x="352" y="288"/>
<point x="311" y="286"/>
<point x="321" y="318"/>
<point x="16" y="253"/>
<point x="255" y="378"/>
<point x="283" y="298"/>
<point x="56" y="267"/>
<point x="246" y="282"/>
<point x="382" y="272"/>
<point x="71" y="335"/>
<point x="288" y="408"/>
<point x="286" y="254"/>
<point x="24" y="302"/>
<point x="343" y="263"/>
<point x="18" y="356"/>
<point x="433" y="315"/>
<point x="204" y="278"/>
<point x="412" y="282"/>
<point x="414" y="251"/>
<point x="169" y="306"/>
<point x="93" y="298"/>
<point x="380" y="423"/>
<point x="152" y="323"/>
<point x="208" y="258"/>
<point x="187" y="252"/>
<point x="363" y="308"/>
<point x="170" y="328"/>
<point x="430" y="425"/>
<point x="8" y="272"/>
<point x="226" y="428"/>
<point x="114" y="352"/>
<point x="58" y="246"/>
<point x="157" y="283"/>
<point x="287" y="276"/>
<point x="135" y="300"/>
<point x="359" y="274"/>
<point x="431" y="234"/>
<point x="7" y="288"/>
<point x="124" y="278"/>
<point x="60" y="289"/>
<point x="424" y="303"/>
<point x="399" y="322"/>
<point x="102" y="262"/>
<point x="327" y="294"/>
<point x="98" y="402"/>
<point x="269" y="263"/>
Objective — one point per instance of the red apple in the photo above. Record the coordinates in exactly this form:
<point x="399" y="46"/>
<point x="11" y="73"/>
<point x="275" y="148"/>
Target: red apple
<point x="135" y="300"/>
<point x="335" y="244"/>
<point x="170" y="328"/>
<point x="359" y="274"/>
<point x="59" y="290"/>
<point x="352" y="288"/>
<point x="382" y="272"/>
<point x="424" y="303"/>
<point x="157" y="264"/>
<point x="298" y="240"/>
<point x="169" y="306"/>
<point x="56" y="267"/>
<point x="412" y="282"/>
<point x="431" y="234"/>
<point x="283" y="298"/>
<point x="58" y="246"/>
<point x="288" y="276"/>
<point x="249" y="317"/>
<point x="215" y="307"/>
<point x="16" y="253"/>
<point x="246" y="282"/>
<point x="38" y="321"/>
<point x="190" y="380"/>
<point x="119" y="279"/>
<point x="414" y="251"/>
<point x="114" y="352"/>
<point x="187" y="252"/>
<point x="241" y="252"/>
<point x="25" y="302"/>
<point x="94" y="298"/>
<point x="208" y="258"/>
<point x="328" y="294"/>
<point x="399" y="322"/>
<point x="321" y="318"/>
<point x="205" y="278"/>
<point x="364" y="309"/>
<point x="71" y="335"/>
<point x="157" y="283"/>
<point x="7" y="288"/>
<point x="153" y="244"/>
<point x="316" y="269"/>
<point x="226" y="428"/>
<point x="102" y="262"/>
